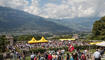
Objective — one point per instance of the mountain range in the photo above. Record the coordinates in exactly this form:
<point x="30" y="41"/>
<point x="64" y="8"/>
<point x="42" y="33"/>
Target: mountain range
<point x="16" y="20"/>
<point x="13" y="20"/>
<point x="78" y="24"/>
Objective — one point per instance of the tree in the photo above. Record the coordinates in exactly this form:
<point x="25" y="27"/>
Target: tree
<point x="99" y="29"/>
<point x="23" y="37"/>
<point x="3" y="42"/>
<point x="27" y="37"/>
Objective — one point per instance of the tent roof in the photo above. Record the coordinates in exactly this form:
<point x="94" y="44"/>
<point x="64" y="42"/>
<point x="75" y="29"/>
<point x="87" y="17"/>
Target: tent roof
<point x="33" y="40"/>
<point x="94" y="43"/>
<point x="101" y="43"/>
<point x="43" y="40"/>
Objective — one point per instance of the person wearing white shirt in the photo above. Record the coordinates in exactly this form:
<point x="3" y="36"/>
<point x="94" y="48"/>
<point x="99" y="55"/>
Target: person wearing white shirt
<point x="32" y="56"/>
<point x="97" y="55"/>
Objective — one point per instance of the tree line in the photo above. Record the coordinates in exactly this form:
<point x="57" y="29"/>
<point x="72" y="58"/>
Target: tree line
<point x="98" y="31"/>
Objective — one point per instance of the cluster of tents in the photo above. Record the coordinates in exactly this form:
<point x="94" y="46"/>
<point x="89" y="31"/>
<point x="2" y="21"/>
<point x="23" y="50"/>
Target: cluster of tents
<point x="43" y="40"/>
<point x="33" y="40"/>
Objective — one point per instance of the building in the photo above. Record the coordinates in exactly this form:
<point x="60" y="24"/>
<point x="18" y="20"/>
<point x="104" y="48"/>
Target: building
<point x="75" y="36"/>
<point x="10" y="39"/>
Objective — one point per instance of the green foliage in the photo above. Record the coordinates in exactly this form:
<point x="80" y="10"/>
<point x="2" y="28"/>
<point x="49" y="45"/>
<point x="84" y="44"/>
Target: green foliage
<point x="1" y="57"/>
<point x="3" y="43"/>
<point x="26" y="37"/>
<point x="23" y="37"/>
<point x="62" y="37"/>
<point x="99" y="29"/>
<point x="85" y="47"/>
<point x="41" y="50"/>
<point x="55" y="49"/>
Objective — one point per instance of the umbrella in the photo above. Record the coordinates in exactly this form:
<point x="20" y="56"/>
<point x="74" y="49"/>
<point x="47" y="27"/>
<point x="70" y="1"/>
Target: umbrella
<point x="101" y="44"/>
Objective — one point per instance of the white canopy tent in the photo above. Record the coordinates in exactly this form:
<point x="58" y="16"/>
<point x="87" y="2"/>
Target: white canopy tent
<point x="101" y="44"/>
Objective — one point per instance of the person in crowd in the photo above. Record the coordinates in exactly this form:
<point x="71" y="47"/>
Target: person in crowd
<point x="87" y="57"/>
<point x="39" y="56"/>
<point x="58" y="52"/>
<point x="32" y="56"/>
<point x="24" y="55"/>
<point x="59" y="57"/>
<point x="83" y="57"/>
<point x="97" y="55"/>
<point x="19" y="55"/>
<point x="101" y="51"/>
<point x="79" y="54"/>
<point x="85" y="52"/>
<point x="49" y="56"/>
<point x="62" y="51"/>
<point x="71" y="57"/>
<point x="75" y="56"/>
<point x="56" y="56"/>
<point x="68" y="56"/>
<point x="46" y="55"/>
<point x="14" y="55"/>
<point x="35" y="57"/>
<point x="42" y="58"/>
<point x="53" y="56"/>
<point x="62" y="55"/>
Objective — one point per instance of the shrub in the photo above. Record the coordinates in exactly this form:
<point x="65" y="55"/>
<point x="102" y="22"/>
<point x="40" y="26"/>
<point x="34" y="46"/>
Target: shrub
<point x="41" y="50"/>
<point x="1" y="57"/>
<point x="55" y="49"/>
<point x="86" y="47"/>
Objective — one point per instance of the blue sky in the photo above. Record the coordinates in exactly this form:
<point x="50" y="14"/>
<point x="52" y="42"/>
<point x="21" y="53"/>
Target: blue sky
<point x="59" y="8"/>
<point x="43" y="2"/>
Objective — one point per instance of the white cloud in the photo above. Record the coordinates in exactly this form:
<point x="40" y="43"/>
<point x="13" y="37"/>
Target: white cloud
<point x="33" y="7"/>
<point x="67" y="8"/>
<point x="24" y="5"/>
<point x="18" y="4"/>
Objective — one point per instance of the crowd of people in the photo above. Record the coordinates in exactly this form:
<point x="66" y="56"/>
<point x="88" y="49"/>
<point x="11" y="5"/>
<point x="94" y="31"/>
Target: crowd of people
<point x="77" y="54"/>
<point x="61" y="55"/>
<point x="52" y="43"/>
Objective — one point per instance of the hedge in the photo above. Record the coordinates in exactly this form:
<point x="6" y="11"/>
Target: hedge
<point x="42" y="50"/>
<point x="86" y="47"/>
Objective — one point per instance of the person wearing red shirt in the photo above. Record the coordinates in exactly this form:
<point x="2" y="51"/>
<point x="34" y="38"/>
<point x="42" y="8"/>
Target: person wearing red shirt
<point x="49" y="57"/>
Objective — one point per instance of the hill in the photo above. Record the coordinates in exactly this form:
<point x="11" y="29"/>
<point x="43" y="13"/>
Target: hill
<point x="77" y="24"/>
<point x="12" y="20"/>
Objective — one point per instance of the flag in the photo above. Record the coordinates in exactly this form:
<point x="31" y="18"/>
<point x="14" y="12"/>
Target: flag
<point x="70" y="48"/>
